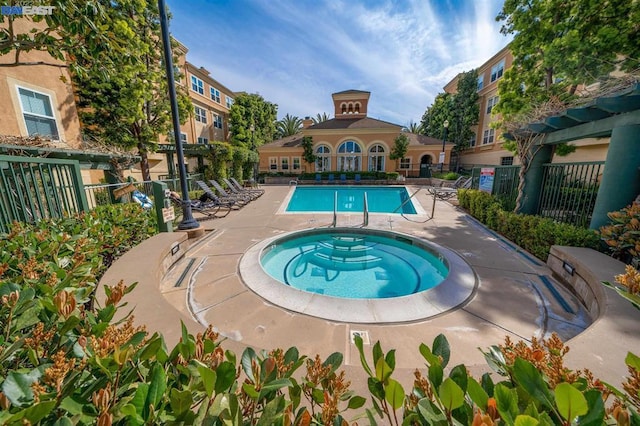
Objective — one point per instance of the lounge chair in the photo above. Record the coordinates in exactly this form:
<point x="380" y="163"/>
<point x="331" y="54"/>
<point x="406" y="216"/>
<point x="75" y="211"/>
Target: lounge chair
<point x="318" y="178"/>
<point x="206" y="208"/>
<point x="358" y="178"/>
<point x="343" y="178"/>
<point x="248" y="190"/>
<point x="332" y="178"/>
<point x="239" y="192"/>
<point x="240" y="198"/>
<point x="232" y="203"/>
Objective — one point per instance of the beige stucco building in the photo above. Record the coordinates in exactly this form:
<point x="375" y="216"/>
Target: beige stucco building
<point x="351" y="142"/>
<point x="487" y="147"/>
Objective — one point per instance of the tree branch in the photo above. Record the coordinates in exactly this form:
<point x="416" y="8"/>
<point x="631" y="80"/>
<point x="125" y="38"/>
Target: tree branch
<point x="17" y="63"/>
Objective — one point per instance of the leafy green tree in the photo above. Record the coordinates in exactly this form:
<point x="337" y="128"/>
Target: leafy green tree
<point x="252" y="121"/>
<point x="399" y="148"/>
<point x="288" y="126"/>
<point x="80" y="33"/>
<point x="307" y="150"/>
<point x="319" y="118"/>
<point x="130" y="106"/>
<point x="434" y="117"/>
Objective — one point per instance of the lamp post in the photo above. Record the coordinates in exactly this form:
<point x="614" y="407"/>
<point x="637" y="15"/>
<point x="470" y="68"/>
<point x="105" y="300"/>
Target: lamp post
<point x="253" y="148"/>
<point x="444" y="140"/>
<point x="188" y="222"/>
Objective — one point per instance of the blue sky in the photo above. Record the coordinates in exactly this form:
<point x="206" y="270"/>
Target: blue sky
<point x="295" y="53"/>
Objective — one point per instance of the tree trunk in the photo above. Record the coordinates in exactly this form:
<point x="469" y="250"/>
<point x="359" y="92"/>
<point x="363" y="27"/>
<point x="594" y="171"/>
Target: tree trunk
<point x="144" y="162"/>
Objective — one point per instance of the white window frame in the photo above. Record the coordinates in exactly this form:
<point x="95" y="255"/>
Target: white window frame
<point x="229" y="101"/>
<point x="197" y="85"/>
<point x="183" y="137"/>
<point x="472" y="141"/>
<point x="480" y="83"/>
<point x="377" y="158"/>
<point x="497" y="71"/>
<point x="200" y="114"/>
<point x="323" y="158"/>
<point x="214" y="94"/>
<point x="284" y="163"/>
<point x="217" y="121"/>
<point x="202" y="140"/>
<point x="295" y="163"/>
<point x="491" y="102"/>
<point x="349" y="155"/>
<point x="39" y="116"/>
<point x="273" y="163"/>
<point x="488" y="136"/>
<point x="405" y="163"/>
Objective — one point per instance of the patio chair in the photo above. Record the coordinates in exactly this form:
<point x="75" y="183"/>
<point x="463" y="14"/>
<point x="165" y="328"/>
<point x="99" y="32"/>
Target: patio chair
<point x="239" y="192"/>
<point x="241" y="199"/>
<point x="332" y="178"/>
<point x="318" y="178"/>
<point x="207" y="208"/>
<point x="255" y="190"/>
<point x="343" y="178"/>
<point x="358" y="179"/>
<point x="232" y="203"/>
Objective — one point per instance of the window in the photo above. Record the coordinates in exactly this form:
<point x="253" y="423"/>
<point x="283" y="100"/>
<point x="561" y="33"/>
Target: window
<point x="349" y="156"/>
<point x="215" y="94"/>
<point x="201" y="114"/>
<point x="296" y="163"/>
<point x="203" y="141"/>
<point x="273" y="163"/>
<point x="284" y="161"/>
<point x="497" y="71"/>
<point x="506" y="161"/>
<point x="229" y="101"/>
<point x="38" y="113"/>
<point x="480" y="82"/>
<point x="323" y="158"/>
<point x="491" y="102"/>
<point x="183" y="137"/>
<point x="376" y="158"/>
<point x="472" y="141"/>
<point x="488" y="136"/>
<point x="405" y="163"/>
<point x="217" y="121"/>
<point x="197" y="85"/>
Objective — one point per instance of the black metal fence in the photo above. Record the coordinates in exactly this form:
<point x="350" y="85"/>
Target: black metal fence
<point x="569" y="191"/>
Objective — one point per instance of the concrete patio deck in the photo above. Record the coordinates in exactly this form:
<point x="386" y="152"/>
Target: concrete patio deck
<point x="512" y="297"/>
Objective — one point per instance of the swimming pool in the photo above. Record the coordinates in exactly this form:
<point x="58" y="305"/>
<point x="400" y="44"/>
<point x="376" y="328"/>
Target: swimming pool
<point x="457" y="287"/>
<point x="380" y="199"/>
<point x="354" y="265"/>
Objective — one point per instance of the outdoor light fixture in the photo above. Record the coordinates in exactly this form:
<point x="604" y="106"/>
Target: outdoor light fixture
<point x="444" y="140"/>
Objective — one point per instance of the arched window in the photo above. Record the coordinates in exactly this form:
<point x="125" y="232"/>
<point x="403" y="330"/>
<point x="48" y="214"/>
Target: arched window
<point x="349" y="157"/>
<point x="376" y="158"/>
<point x="323" y="158"/>
<point x="344" y="108"/>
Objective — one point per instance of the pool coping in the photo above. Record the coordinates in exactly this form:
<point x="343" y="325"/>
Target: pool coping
<point x="457" y="289"/>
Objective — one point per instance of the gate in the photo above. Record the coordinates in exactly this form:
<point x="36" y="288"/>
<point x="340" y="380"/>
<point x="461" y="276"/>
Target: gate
<point x="569" y="191"/>
<point x="32" y="189"/>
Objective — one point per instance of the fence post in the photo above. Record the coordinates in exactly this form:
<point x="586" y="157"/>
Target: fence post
<point x="533" y="180"/>
<point x="161" y="202"/>
<point x="621" y="177"/>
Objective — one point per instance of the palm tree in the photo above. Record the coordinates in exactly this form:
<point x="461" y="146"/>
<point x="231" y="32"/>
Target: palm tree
<point x="288" y="126"/>
<point x="319" y="118"/>
<point x="413" y="128"/>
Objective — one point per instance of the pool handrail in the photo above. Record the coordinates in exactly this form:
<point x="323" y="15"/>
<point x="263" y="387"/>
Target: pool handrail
<point x="365" y="210"/>
<point x="335" y="209"/>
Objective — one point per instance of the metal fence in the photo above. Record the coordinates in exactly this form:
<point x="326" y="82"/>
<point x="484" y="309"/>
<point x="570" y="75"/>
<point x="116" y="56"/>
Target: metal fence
<point x="32" y="189"/>
<point x="103" y="194"/>
<point x="569" y="191"/>
<point x="505" y="184"/>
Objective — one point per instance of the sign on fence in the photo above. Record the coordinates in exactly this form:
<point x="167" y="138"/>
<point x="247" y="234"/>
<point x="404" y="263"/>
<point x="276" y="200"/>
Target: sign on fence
<point x="487" y="175"/>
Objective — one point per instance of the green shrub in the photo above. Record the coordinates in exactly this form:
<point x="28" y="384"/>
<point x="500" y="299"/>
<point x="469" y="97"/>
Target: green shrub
<point x="533" y="233"/>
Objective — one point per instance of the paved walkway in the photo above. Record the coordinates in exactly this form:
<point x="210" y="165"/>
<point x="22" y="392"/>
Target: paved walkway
<point x="511" y="298"/>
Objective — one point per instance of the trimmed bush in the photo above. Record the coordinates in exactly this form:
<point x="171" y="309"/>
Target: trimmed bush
<point x="533" y="233"/>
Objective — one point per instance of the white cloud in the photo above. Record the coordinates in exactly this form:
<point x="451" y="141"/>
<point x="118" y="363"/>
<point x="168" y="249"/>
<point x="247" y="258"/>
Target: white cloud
<point x="296" y="53"/>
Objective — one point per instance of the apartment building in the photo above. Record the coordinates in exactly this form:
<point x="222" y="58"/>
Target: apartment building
<point x="487" y="147"/>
